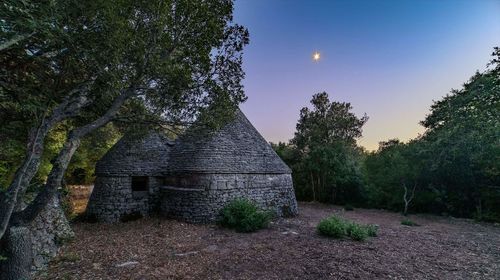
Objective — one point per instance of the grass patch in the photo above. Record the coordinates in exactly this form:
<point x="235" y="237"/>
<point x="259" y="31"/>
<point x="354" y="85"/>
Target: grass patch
<point x="337" y="227"/>
<point x="408" y="222"/>
<point x="244" y="215"/>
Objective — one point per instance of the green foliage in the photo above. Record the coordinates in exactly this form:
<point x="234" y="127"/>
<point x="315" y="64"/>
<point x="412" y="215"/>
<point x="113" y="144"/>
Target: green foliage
<point x="3" y="258"/>
<point x="357" y="232"/>
<point x="332" y="227"/>
<point x="81" y="168"/>
<point x="244" y="216"/>
<point x="172" y="60"/>
<point x="323" y="153"/>
<point x="408" y="222"/>
<point x="455" y="164"/>
<point x="337" y="227"/>
<point x="93" y="147"/>
<point x="454" y="167"/>
<point x="372" y="230"/>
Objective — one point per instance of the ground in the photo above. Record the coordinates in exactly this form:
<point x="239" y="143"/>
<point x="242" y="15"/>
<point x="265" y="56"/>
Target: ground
<point x="157" y="248"/>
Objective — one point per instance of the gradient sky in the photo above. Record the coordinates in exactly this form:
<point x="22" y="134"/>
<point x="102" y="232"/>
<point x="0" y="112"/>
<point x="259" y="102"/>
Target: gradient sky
<point x="389" y="59"/>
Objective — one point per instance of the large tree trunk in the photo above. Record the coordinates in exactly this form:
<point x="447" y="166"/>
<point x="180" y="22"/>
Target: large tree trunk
<point x="27" y="217"/>
<point x="30" y="246"/>
<point x="9" y="201"/>
<point x="56" y="175"/>
<point x="17" y="246"/>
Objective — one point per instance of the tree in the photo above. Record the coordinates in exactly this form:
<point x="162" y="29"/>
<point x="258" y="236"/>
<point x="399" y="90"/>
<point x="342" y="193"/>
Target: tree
<point x="462" y="139"/>
<point x="394" y="171"/>
<point x="326" y="141"/>
<point x="454" y="164"/>
<point x="96" y="62"/>
<point x="327" y="123"/>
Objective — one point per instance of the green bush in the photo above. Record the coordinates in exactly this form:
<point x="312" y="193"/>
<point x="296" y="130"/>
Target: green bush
<point x="408" y="222"/>
<point x="372" y="230"/>
<point x="337" y="227"/>
<point x="358" y="232"/>
<point x="244" y="216"/>
<point x="332" y="227"/>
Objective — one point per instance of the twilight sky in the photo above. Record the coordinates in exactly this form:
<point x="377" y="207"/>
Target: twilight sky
<point x="389" y="59"/>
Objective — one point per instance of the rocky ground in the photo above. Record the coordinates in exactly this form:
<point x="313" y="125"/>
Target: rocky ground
<point x="156" y="248"/>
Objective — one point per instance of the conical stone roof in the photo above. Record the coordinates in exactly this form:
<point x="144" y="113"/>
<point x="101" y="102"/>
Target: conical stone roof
<point x="236" y="148"/>
<point x="133" y="156"/>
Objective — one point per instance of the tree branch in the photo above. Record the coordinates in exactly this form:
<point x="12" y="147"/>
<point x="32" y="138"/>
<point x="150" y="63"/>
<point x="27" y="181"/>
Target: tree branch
<point x="15" y="40"/>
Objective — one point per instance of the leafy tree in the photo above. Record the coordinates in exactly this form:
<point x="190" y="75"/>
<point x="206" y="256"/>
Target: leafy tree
<point x="455" y="163"/>
<point x="327" y="123"/>
<point x="325" y="142"/>
<point x="393" y="173"/>
<point x="160" y="62"/>
<point x="462" y="139"/>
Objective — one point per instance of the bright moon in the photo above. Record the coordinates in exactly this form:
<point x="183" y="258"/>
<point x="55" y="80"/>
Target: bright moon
<point x="316" y="56"/>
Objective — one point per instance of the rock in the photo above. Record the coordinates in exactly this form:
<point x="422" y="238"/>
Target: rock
<point x="186" y="254"/>
<point x="127" y="264"/>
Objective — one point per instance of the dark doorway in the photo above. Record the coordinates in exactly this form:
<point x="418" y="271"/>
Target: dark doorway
<point x="139" y="184"/>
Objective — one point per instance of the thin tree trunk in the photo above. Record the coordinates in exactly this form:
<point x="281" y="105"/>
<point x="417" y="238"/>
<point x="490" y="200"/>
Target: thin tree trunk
<point x="407" y="199"/>
<point x="320" y="187"/>
<point x="312" y="185"/>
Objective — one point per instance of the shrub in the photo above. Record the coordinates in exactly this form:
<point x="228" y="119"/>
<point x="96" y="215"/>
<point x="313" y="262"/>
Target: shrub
<point x="332" y="227"/>
<point x="372" y="230"/>
<point x="244" y="216"/>
<point x="358" y="232"/>
<point x="408" y="222"/>
<point x="338" y="228"/>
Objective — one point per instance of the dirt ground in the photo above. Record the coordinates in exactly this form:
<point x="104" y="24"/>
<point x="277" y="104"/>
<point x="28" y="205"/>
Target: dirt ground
<point x="156" y="248"/>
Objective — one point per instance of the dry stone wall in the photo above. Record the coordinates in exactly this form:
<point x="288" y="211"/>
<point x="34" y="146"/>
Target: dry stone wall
<point x="202" y="202"/>
<point x="32" y="246"/>
<point x="113" y="198"/>
<point x="199" y="173"/>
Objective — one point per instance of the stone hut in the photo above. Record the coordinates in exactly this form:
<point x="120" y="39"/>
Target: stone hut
<point x="193" y="177"/>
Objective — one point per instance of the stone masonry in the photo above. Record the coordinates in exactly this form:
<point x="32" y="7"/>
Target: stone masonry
<point x="192" y="178"/>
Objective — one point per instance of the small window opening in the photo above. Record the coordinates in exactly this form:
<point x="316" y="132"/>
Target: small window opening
<point x="140" y="184"/>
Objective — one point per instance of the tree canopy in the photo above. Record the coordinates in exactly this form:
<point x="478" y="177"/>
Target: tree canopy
<point x="70" y="67"/>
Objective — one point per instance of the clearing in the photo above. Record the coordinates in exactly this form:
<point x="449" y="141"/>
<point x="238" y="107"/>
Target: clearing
<point x="156" y="248"/>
